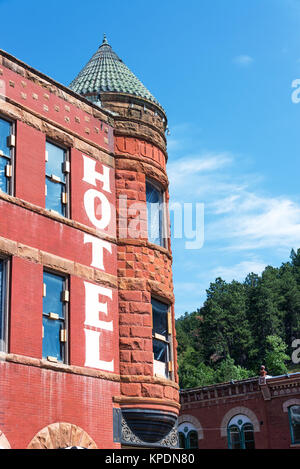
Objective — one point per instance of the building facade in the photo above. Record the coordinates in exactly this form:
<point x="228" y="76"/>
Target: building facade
<point x="87" y="334"/>
<point x="256" y="413"/>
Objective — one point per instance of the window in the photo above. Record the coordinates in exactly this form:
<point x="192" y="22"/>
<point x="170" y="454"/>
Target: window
<point x="7" y="143"/>
<point x="57" y="181"/>
<point x="55" y="300"/>
<point x="188" y="436"/>
<point x="161" y="337"/>
<point x="294" y="417"/>
<point x="240" y="433"/>
<point x="189" y="441"/>
<point x="3" y="304"/>
<point x="155" y="213"/>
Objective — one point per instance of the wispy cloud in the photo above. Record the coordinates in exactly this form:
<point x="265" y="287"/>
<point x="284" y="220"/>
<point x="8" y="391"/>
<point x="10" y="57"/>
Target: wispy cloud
<point x="238" y="271"/>
<point x="243" y="60"/>
<point x="186" y="173"/>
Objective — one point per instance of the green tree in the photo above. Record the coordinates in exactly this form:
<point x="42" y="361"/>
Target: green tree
<point x="228" y="371"/>
<point x="276" y="357"/>
<point x="225" y="327"/>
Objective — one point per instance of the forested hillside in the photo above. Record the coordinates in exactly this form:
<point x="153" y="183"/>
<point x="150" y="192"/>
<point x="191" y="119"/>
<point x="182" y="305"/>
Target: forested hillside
<point x="242" y="326"/>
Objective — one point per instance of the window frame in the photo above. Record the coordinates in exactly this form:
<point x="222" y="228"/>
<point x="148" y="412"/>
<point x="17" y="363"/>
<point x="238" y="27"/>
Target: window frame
<point x="66" y="150"/>
<point x="163" y="214"/>
<point x="241" y="432"/>
<point x="293" y="440"/>
<point x="5" y="304"/>
<point x="11" y="157"/>
<point x="66" y="310"/>
<point x="169" y="363"/>
<point x="187" y="439"/>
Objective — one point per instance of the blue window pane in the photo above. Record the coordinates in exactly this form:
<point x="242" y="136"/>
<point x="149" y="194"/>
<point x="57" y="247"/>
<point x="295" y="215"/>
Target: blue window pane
<point x="154" y="212"/>
<point x="3" y="178"/>
<point x="5" y="128"/>
<point x="56" y="158"/>
<point x="160" y="351"/>
<point x="51" y="343"/>
<point x="53" y="198"/>
<point x="160" y="318"/>
<point x="52" y="301"/>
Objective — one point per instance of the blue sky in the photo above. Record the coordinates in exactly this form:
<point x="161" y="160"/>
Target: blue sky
<point x="223" y="71"/>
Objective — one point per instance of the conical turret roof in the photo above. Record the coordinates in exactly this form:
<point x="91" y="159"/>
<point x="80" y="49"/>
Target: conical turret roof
<point x="106" y="72"/>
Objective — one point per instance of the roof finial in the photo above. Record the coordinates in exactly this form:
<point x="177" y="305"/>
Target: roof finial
<point x="104" y="39"/>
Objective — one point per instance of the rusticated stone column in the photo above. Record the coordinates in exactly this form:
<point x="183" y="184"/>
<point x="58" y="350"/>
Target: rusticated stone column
<point x="144" y="269"/>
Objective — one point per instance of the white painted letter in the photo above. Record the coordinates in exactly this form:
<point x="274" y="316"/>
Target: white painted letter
<point x="92" y="340"/>
<point x="91" y="175"/>
<point x="89" y="204"/>
<point x="93" y="306"/>
<point x="97" y="250"/>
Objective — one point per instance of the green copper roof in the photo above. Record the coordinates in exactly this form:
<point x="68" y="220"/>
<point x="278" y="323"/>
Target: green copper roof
<point x="106" y="72"/>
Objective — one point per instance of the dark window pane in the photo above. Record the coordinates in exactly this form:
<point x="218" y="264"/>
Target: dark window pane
<point x="51" y="342"/>
<point x="295" y="423"/>
<point x="181" y="440"/>
<point x="56" y="157"/>
<point x="53" y="198"/>
<point x="160" y="318"/>
<point x="155" y="217"/>
<point x="235" y="437"/>
<point x="249" y="436"/>
<point x="160" y="351"/>
<point x="193" y="439"/>
<point x="52" y="301"/>
<point x="4" y="133"/>
<point x="3" y="178"/>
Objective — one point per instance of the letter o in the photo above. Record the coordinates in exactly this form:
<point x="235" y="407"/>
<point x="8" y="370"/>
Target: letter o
<point x="89" y="204"/>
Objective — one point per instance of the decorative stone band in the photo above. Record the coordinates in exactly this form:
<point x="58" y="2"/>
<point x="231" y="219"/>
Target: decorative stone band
<point x="49" y="260"/>
<point x="98" y="374"/>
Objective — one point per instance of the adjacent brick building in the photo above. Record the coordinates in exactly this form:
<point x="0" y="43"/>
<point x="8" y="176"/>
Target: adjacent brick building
<point x="256" y="413"/>
<point x="87" y="336"/>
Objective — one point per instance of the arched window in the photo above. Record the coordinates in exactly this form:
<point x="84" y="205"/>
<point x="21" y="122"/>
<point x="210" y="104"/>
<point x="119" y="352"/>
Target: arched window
<point x="294" y="418"/>
<point x="188" y="437"/>
<point x="240" y="433"/>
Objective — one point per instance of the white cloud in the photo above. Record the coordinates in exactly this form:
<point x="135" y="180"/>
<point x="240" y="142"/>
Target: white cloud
<point x="186" y="174"/>
<point x="252" y="222"/>
<point x="239" y="271"/>
<point x="243" y="60"/>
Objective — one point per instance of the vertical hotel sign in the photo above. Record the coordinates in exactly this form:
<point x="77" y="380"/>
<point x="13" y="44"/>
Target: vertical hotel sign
<point x="100" y="301"/>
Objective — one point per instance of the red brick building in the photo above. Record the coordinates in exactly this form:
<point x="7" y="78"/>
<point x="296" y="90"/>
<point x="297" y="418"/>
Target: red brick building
<point x="87" y="336"/>
<point x="256" y="413"/>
